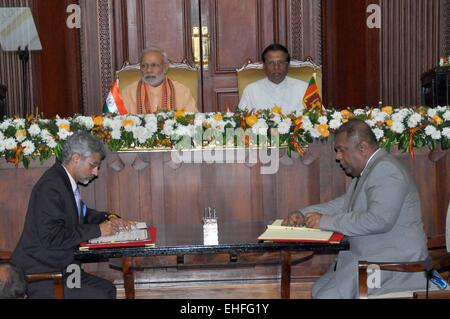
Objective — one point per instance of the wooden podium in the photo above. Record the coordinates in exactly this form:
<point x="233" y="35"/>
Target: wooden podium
<point x="3" y="104"/>
<point x="436" y="87"/>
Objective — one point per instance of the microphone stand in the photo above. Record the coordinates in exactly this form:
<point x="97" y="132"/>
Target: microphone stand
<point x="428" y="270"/>
<point x="24" y="57"/>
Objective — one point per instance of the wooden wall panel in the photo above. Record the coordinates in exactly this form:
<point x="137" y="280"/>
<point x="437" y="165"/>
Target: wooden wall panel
<point x="444" y="28"/>
<point x="231" y="18"/>
<point x="227" y="98"/>
<point x="57" y="73"/>
<point x="409" y="47"/>
<point x="171" y="16"/>
<point x="351" y="55"/>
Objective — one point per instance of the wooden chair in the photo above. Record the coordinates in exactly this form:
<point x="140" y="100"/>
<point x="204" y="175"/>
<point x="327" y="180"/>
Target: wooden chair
<point x="181" y="72"/>
<point x="56" y="277"/>
<point x="439" y="261"/>
<point x="302" y="70"/>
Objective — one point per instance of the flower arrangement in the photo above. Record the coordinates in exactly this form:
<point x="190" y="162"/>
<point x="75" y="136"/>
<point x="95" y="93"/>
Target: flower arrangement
<point x="23" y="139"/>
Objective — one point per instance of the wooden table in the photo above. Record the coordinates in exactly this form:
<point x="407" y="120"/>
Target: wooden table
<point x="228" y="255"/>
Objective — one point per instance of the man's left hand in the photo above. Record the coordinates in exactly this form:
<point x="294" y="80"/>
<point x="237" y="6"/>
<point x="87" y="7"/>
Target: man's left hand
<point x="312" y="220"/>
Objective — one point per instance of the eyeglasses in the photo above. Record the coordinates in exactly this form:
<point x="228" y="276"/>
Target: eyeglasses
<point x="94" y="165"/>
<point x="150" y="65"/>
<point x="276" y="63"/>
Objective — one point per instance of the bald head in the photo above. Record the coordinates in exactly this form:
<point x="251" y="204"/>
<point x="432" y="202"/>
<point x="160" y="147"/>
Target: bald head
<point x="358" y="131"/>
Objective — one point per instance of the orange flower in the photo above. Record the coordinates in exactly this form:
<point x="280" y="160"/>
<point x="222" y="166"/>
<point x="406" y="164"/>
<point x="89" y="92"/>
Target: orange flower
<point x="21" y="133"/>
<point x="422" y="110"/>
<point x="389" y="122"/>
<point x="166" y="142"/>
<point x="387" y="109"/>
<point x="218" y="117"/>
<point x="179" y="113"/>
<point x="346" y="114"/>
<point x="251" y="120"/>
<point x="127" y="122"/>
<point x="98" y="120"/>
<point x="437" y="120"/>
<point x="64" y="126"/>
<point x="323" y="129"/>
<point x="298" y="121"/>
<point x="277" y="109"/>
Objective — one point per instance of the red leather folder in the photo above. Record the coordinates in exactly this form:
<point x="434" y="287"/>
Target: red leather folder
<point x="336" y="238"/>
<point x="135" y="243"/>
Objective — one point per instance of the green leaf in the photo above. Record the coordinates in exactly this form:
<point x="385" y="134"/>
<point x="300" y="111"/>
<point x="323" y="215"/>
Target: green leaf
<point x="26" y="161"/>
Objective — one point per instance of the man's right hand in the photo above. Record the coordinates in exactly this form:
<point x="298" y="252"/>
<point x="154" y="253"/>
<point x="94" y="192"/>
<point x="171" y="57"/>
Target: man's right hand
<point x="294" y="219"/>
<point x="108" y="228"/>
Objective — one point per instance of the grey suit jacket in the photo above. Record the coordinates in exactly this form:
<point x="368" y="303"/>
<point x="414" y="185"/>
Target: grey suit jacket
<point x="382" y="219"/>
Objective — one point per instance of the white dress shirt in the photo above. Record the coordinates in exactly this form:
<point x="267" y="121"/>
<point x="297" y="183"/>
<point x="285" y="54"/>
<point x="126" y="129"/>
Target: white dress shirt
<point x="72" y="180"/>
<point x="264" y="94"/>
<point x="74" y="190"/>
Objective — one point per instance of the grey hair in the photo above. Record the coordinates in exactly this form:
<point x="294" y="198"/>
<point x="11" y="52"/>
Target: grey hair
<point x="155" y="49"/>
<point x="83" y="144"/>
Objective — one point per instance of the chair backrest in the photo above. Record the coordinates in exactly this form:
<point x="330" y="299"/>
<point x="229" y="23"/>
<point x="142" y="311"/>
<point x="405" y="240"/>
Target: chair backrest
<point x="180" y="72"/>
<point x="302" y="70"/>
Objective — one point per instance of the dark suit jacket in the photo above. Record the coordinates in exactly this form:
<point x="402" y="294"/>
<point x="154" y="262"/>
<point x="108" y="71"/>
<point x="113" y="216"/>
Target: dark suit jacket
<point x="52" y="230"/>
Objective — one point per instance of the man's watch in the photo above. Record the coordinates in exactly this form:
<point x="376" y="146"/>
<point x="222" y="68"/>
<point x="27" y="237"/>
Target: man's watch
<point x="110" y="216"/>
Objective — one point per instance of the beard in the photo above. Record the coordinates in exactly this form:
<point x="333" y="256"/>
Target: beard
<point x="87" y="180"/>
<point x="154" y="79"/>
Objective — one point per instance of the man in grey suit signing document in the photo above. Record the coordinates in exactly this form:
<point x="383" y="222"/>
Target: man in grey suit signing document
<point x="380" y="213"/>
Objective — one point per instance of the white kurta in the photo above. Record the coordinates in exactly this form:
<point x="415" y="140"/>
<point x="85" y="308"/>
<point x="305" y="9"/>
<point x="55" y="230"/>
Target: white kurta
<point x="264" y="94"/>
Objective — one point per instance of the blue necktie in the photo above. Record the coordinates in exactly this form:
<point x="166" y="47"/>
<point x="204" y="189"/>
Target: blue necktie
<point x="78" y="201"/>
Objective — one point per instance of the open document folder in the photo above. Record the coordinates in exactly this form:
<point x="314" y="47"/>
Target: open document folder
<point x="277" y="233"/>
<point x="140" y="235"/>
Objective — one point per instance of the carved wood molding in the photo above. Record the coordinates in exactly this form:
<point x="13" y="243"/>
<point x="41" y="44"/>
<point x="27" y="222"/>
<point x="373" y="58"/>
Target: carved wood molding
<point x="84" y="71"/>
<point x="105" y="47"/>
<point x="445" y="27"/>
<point x="318" y="31"/>
<point x="305" y="30"/>
<point x="296" y="29"/>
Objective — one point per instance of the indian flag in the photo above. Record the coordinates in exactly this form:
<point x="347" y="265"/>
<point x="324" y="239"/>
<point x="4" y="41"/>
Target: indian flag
<point x="114" y="102"/>
<point x="312" y="100"/>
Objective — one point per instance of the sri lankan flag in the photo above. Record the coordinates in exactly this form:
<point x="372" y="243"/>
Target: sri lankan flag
<point x="312" y="100"/>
